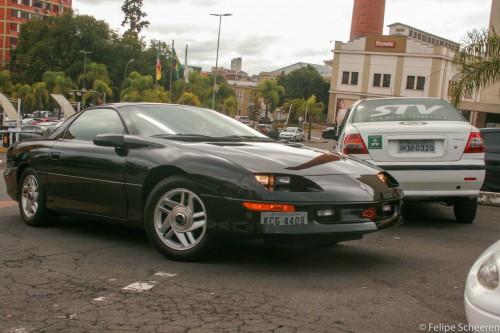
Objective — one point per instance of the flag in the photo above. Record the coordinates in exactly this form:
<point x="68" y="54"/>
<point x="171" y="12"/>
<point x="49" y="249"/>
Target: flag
<point x="186" y="70"/>
<point x="176" y="64"/>
<point x="158" y="65"/>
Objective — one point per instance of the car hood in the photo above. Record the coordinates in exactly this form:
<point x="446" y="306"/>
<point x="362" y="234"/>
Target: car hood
<point x="273" y="157"/>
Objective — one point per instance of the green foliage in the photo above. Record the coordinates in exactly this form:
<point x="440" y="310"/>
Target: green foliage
<point x="231" y="106"/>
<point x="304" y="82"/>
<point x="270" y="92"/>
<point x="6" y="86"/>
<point x="134" y="15"/>
<point x="477" y="64"/>
<point x="142" y="88"/>
<point x="25" y="93"/>
<point x="56" y="43"/>
<point x="189" y="99"/>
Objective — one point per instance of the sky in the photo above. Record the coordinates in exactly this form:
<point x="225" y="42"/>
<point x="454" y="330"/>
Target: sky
<point x="272" y="34"/>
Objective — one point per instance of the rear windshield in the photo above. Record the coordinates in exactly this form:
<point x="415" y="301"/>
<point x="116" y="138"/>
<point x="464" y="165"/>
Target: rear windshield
<point x="407" y="109"/>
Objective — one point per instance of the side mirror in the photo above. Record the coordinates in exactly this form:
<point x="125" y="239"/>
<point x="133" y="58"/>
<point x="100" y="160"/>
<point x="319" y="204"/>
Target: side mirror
<point x="330" y="133"/>
<point x="109" y="140"/>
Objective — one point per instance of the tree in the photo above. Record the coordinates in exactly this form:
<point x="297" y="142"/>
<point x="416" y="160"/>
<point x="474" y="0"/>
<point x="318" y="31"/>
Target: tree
<point x="143" y="89"/>
<point x="55" y="44"/>
<point x="270" y="92"/>
<point x="312" y="110"/>
<point x="477" y="64"/>
<point x="304" y="82"/>
<point x="25" y="93"/>
<point x="58" y="83"/>
<point x="189" y="99"/>
<point x="294" y="107"/>
<point x="6" y="86"/>
<point x="134" y="15"/>
<point x="41" y="95"/>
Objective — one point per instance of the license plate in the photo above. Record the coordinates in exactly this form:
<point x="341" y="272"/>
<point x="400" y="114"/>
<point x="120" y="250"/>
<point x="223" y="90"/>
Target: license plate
<point x="416" y="146"/>
<point x="278" y="218"/>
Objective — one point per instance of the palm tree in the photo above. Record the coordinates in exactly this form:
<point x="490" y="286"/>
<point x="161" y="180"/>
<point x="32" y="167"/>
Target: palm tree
<point x="477" y="64"/>
<point x="270" y="92"/>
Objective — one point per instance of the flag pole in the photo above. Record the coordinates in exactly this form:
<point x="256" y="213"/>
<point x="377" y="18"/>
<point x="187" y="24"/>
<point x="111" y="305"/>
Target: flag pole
<point x="186" y="71"/>
<point x="171" y="68"/>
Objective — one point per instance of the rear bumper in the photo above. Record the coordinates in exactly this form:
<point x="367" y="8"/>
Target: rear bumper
<point x="438" y="180"/>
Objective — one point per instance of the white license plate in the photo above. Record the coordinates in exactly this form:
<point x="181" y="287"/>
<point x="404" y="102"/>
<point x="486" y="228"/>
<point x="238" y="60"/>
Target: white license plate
<point x="416" y="146"/>
<point x="278" y="218"/>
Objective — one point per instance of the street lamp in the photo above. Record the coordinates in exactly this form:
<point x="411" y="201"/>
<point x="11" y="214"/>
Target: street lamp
<point x="217" y="56"/>
<point x="84" y="64"/>
<point x="125" y="73"/>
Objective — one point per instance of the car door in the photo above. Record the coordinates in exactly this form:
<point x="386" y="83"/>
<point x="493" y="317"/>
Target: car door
<point x="84" y="177"/>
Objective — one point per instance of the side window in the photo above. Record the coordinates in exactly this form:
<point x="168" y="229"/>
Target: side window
<point x="93" y="122"/>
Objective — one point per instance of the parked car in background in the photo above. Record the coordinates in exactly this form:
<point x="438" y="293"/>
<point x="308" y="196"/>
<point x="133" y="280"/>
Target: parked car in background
<point x="491" y="138"/>
<point x="243" y="119"/>
<point x="269" y="130"/>
<point x="482" y="290"/>
<point x="38" y="131"/>
<point x="425" y="143"/>
<point x="190" y="175"/>
<point x="292" y="134"/>
<point x="43" y="120"/>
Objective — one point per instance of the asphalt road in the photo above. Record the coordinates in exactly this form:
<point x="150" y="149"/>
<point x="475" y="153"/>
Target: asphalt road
<point x="80" y="276"/>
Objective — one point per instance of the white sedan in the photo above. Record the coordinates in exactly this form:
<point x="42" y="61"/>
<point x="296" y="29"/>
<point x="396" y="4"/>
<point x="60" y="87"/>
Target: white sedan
<point x="425" y="143"/>
<point x="292" y="134"/>
<point x="482" y="291"/>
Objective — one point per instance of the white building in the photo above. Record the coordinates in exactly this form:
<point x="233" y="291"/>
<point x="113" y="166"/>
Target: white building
<point x="390" y="65"/>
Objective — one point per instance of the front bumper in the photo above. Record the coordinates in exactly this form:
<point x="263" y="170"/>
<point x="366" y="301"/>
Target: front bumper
<point x="347" y="222"/>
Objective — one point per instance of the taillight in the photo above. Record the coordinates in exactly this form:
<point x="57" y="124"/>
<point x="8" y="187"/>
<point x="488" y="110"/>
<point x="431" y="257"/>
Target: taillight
<point x="475" y="143"/>
<point x="353" y="144"/>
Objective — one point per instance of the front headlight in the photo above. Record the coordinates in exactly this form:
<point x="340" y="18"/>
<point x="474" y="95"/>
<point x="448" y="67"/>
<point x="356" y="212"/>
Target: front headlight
<point x="270" y="181"/>
<point x="488" y="273"/>
<point x="284" y="182"/>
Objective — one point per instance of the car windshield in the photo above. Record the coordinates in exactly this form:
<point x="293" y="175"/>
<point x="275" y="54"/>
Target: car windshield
<point x="408" y="109"/>
<point x="179" y="120"/>
<point x="290" y="129"/>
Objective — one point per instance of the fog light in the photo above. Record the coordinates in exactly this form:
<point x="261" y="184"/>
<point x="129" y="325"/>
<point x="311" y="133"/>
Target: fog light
<point x="386" y="208"/>
<point x="325" y="212"/>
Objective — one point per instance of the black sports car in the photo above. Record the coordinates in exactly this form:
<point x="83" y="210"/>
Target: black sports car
<point x="189" y="175"/>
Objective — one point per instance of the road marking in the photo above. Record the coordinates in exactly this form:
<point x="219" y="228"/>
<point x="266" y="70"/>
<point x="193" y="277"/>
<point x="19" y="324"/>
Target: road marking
<point x="140" y="286"/>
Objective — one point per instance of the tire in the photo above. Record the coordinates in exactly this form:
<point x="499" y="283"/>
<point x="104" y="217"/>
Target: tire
<point x="175" y="220"/>
<point x="33" y="201"/>
<point x="465" y="209"/>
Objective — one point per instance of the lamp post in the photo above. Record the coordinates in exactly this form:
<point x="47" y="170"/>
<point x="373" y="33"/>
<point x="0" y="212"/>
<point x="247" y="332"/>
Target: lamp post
<point x="428" y="76"/>
<point x="125" y="73"/>
<point x="84" y="64"/>
<point x="217" y="56"/>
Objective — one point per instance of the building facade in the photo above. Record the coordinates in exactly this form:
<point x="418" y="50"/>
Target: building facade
<point x="13" y="13"/>
<point x="378" y="66"/>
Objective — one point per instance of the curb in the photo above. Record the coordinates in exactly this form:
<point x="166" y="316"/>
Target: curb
<point x="489" y="198"/>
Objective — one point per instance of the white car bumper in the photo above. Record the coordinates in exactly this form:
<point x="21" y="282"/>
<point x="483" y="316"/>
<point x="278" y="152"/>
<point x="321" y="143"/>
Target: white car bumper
<point x="462" y="179"/>
<point x="482" y="304"/>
